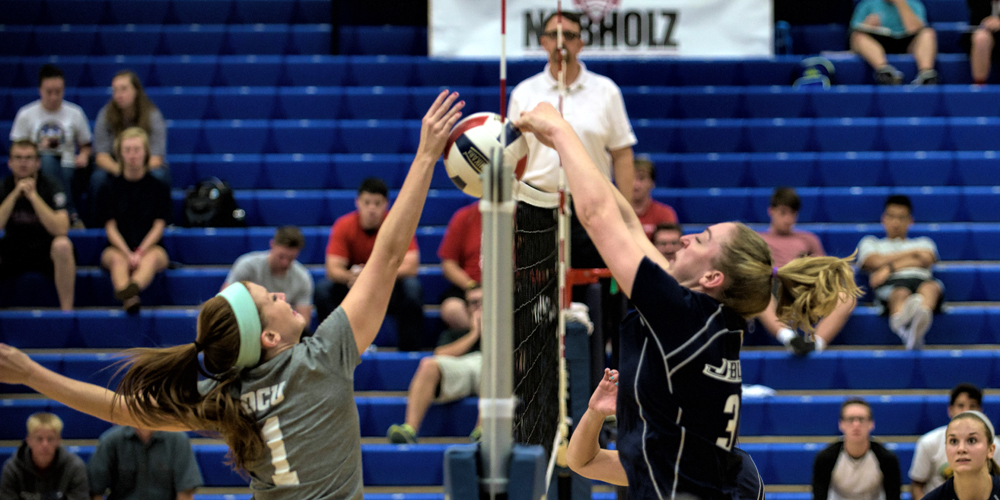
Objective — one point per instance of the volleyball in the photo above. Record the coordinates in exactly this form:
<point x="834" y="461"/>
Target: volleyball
<point x="471" y="144"/>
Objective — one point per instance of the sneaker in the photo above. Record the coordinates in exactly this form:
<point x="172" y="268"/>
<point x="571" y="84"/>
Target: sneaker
<point x="401" y="434"/>
<point x="801" y="346"/>
<point x="918" y="329"/>
<point x="901" y="320"/>
<point x="888" y="75"/>
<point x="926" y="77"/>
<point x="476" y="435"/>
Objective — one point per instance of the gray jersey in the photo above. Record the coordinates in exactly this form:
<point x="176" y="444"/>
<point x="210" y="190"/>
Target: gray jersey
<point x="296" y="284"/>
<point x="304" y="402"/>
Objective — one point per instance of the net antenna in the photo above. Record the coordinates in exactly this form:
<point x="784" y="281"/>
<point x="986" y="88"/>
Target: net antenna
<point x="561" y="439"/>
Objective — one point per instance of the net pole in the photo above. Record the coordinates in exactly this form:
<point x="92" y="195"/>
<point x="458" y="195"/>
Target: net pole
<point x="496" y="402"/>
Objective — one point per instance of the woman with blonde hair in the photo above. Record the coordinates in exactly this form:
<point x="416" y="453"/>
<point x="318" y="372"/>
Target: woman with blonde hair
<point x="970" y="448"/>
<point x="678" y="404"/>
<point x="134" y="209"/>
<point x="284" y="404"/>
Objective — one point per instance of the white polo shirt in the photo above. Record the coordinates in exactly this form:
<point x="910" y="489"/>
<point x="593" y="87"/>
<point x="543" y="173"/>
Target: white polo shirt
<point x="593" y="106"/>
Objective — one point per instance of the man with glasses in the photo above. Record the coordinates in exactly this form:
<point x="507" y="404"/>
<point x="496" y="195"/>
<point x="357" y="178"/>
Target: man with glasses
<point x="667" y="239"/>
<point x="34" y="219"/>
<point x="899" y="272"/>
<point x="788" y="243"/>
<point x="593" y="105"/>
<point x="452" y="373"/>
<point x="855" y="467"/>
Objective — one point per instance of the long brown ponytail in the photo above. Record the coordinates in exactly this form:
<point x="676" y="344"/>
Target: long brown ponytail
<point x="810" y="287"/>
<point x="161" y="385"/>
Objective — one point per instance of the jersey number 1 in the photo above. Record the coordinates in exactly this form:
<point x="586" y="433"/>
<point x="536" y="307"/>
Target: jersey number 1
<point x="732" y="408"/>
<point x="283" y="475"/>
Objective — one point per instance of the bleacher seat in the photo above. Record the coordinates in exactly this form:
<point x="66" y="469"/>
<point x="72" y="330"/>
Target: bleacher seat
<point x="775" y="102"/>
<point x="240" y="171"/>
<point x="297" y="171"/>
<point x="310" y="38"/>
<point x="390" y="71"/>
<point x="306" y="136"/>
<point x="914" y="134"/>
<point x="378" y="103"/>
<point x="374" y="136"/>
<point x="842" y="101"/>
<point x="315" y="70"/>
<point x="236" y="136"/>
<point x="312" y="103"/>
<point x="907" y="100"/>
<point x="200" y="39"/>
<point x="203" y="11"/>
<point x="257" y="38"/>
<point x="708" y="102"/>
<point x="251" y="70"/>
<point x="921" y="168"/>
<point x="181" y="103"/>
<point x="243" y="103"/>
<point x="779" y="134"/>
<point x="393" y="40"/>
<point x="264" y="11"/>
<point x="129" y="39"/>
<point x="186" y="70"/>
<point x="845" y="134"/>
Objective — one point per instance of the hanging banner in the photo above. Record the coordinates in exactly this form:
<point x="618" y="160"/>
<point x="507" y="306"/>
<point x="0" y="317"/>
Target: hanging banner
<point x="629" y="28"/>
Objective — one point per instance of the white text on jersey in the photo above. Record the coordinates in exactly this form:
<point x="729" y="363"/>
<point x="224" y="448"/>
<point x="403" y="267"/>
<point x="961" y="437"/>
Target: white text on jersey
<point x="263" y="399"/>
<point x="728" y="371"/>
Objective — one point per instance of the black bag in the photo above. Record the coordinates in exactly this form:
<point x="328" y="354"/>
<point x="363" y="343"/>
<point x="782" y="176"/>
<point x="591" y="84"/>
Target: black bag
<point x="210" y="203"/>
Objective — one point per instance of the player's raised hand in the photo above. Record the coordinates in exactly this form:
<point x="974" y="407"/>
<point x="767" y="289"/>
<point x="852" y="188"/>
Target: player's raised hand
<point x="544" y="121"/>
<point x="604" y="397"/>
<point x="437" y="124"/>
<point x="15" y="366"/>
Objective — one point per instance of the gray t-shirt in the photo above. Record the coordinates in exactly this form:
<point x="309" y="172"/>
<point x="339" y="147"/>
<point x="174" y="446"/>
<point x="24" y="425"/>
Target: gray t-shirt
<point x="870" y="245"/>
<point x="296" y="284"/>
<point x="104" y="137"/>
<point x="304" y="402"/>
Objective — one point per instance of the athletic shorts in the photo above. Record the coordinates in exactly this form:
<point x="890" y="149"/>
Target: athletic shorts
<point x="893" y="45"/>
<point x="882" y="292"/>
<point x="19" y="258"/>
<point x="459" y="376"/>
<point x="450" y="292"/>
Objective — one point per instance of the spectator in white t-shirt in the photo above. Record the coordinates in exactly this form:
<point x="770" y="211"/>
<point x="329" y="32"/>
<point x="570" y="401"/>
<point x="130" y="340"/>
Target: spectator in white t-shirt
<point x="278" y="271"/>
<point x="59" y="128"/>
<point x="930" y="467"/>
<point x="899" y="272"/>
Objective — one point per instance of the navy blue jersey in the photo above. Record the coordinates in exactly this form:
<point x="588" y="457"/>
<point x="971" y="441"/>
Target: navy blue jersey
<point x="679" y="394"/>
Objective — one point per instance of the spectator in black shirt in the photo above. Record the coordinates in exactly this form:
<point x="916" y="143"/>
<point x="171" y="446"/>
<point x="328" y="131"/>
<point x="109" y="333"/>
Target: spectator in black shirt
<point x="35" y="221"/>
<point x="134" y="209"/>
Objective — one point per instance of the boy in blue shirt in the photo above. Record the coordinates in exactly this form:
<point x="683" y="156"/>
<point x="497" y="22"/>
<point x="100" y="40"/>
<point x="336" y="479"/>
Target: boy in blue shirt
<point x="880" y="27"/>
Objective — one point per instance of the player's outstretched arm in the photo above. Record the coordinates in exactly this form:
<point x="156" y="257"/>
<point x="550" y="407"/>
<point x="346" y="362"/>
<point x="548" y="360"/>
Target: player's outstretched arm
<point x="593" y="196"/>
<point x="17" y="368"/>
<point x="368" y="299"/>
<point x="584" y="455"/>
<point x="635" y="229"/>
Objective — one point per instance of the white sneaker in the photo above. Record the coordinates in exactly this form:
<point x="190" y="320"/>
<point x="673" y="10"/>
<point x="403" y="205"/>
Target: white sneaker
<point x="918" y="329"/>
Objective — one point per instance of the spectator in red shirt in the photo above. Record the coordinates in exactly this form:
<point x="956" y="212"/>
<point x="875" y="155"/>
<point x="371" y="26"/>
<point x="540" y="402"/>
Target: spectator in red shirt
<point x="649" y="211"/>
<point x="352" y="238"/>
<point x="788" y="244"/>
<point x="461" y="263"/>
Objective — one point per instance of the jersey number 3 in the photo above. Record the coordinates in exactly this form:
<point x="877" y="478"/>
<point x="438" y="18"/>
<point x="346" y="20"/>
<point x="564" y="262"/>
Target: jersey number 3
<point x="283" y="475"/>
<point x="732" y="408"/>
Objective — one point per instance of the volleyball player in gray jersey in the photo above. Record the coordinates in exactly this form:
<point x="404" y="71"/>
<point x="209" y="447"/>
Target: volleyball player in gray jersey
<point x="284" y="405"/>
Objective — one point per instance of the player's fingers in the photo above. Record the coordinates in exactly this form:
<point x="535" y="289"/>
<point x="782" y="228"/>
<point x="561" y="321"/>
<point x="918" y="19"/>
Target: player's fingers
<point x="436" y="104"/>
<point x="444" y="106"/>
<point x="453" y="114"/>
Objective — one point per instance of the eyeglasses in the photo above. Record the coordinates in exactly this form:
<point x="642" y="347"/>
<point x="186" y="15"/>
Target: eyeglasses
<point x="855" y="420"/>
<point x="568" y="36"/>
<point x="24" y="158"/>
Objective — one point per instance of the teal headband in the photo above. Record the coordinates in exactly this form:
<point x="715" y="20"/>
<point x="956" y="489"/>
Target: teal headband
<point x="248" y="321"/>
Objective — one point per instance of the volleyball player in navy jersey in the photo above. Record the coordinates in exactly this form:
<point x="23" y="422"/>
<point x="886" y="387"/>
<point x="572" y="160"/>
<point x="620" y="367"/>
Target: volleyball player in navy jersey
<point x="678" y="401"/>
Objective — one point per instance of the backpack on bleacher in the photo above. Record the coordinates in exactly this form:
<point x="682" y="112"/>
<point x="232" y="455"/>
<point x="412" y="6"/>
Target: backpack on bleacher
<point x="210" y="203"/>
